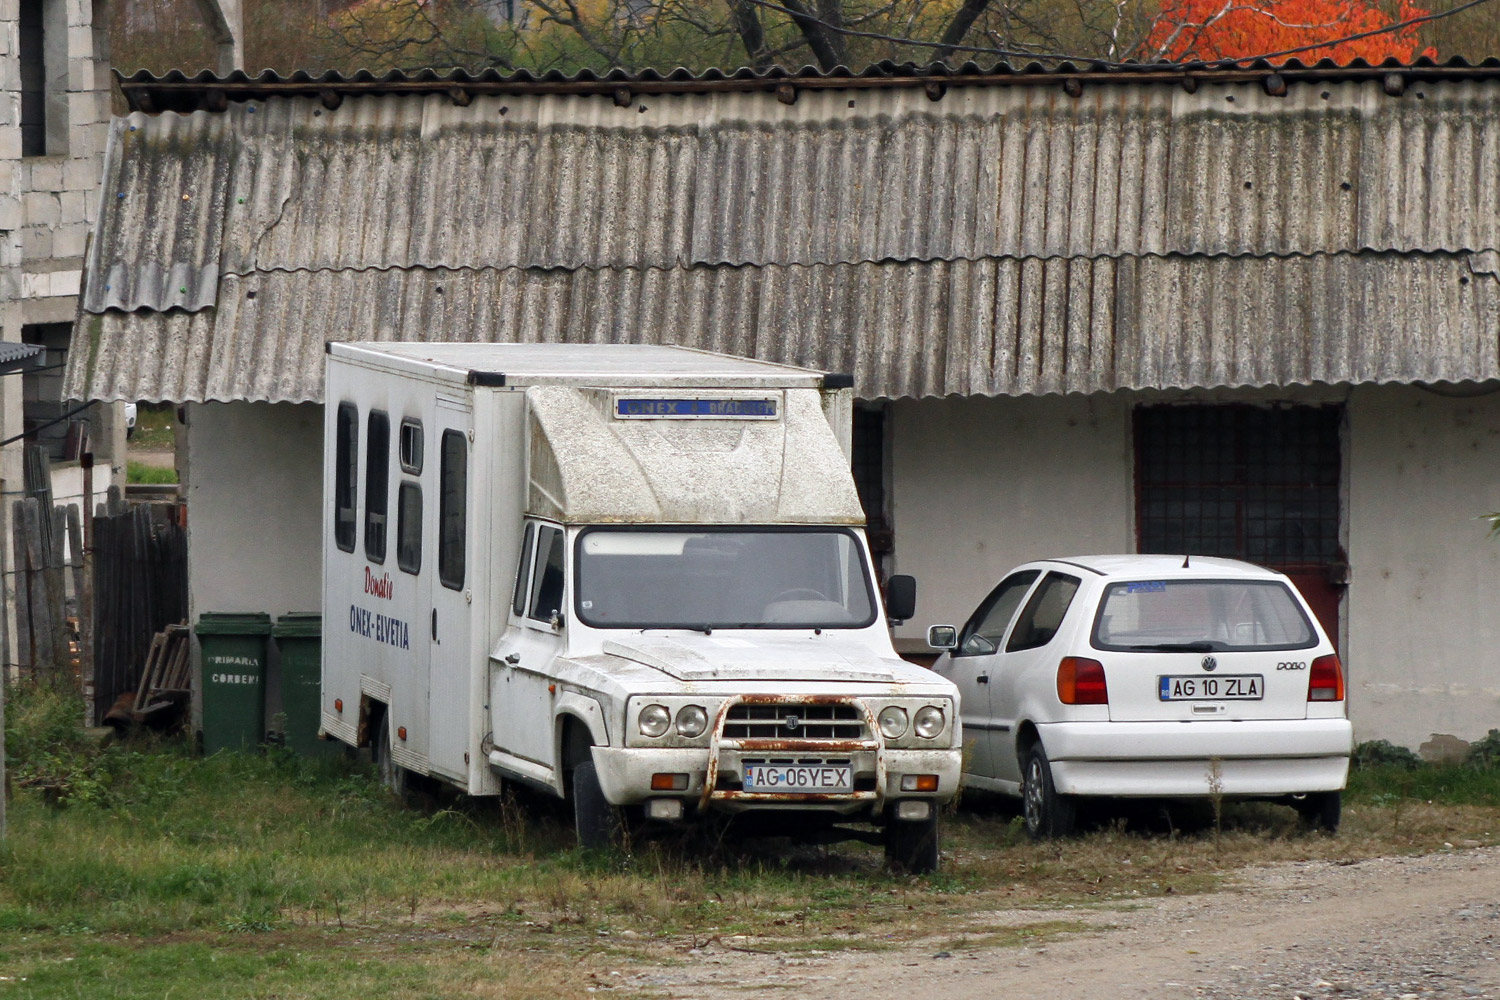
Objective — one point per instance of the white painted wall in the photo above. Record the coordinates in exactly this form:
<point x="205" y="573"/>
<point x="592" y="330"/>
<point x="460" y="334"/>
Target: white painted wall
<point x="981" y="485"/>
<point x="254" y="492"/>
<point x="1424" y="603"/>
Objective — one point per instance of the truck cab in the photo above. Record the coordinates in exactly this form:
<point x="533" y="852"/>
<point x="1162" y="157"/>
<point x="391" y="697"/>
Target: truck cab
<point x="653" y="596"/>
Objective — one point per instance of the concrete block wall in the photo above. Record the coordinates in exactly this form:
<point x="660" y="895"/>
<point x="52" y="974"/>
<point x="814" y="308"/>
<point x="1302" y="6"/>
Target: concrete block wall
<point x="48" y="203"/>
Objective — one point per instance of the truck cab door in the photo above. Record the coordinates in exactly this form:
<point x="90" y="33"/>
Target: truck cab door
<point x="522" y="668"/>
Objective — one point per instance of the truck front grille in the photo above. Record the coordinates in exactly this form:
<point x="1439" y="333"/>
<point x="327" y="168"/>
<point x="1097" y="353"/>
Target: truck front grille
<point x="794" y="722"/>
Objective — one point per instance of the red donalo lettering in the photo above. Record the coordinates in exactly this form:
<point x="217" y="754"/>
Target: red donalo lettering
<point x="380" y="586"/>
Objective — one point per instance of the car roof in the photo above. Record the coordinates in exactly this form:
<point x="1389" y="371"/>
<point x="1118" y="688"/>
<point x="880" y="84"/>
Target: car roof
<point x="1125" y="566"/>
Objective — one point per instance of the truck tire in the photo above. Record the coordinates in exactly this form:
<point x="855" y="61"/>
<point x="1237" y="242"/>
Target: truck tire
<point x="392" y="775"/>
<point x="1321" y="810"/>
<point x="911" y="846"/>
<point x="599" y="825"/>
<point x="1049" y="816"/>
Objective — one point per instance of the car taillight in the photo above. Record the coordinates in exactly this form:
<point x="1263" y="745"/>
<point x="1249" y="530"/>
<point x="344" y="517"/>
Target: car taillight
<point x="1080" y="681"/>
<point x="1326" y="681"/>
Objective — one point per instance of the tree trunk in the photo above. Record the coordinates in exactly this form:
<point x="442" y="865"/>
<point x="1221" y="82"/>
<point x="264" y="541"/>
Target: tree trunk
<point x="827" y="45"/>
<point x="752" y="35"/>
<point x="962" y="21"/>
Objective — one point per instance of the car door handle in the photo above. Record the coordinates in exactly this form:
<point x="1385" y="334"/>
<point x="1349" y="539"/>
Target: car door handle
<point x="982" y="679"/>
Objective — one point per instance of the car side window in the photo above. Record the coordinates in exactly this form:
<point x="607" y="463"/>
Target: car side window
<point x="1044" y="613"/>
<point x="986" y="628"/>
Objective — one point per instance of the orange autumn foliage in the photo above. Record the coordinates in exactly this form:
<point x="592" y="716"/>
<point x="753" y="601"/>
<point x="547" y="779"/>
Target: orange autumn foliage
<point x="1218" y="29"/>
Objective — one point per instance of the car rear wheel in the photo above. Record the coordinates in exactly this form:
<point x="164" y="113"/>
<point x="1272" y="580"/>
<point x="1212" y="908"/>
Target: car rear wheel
<point x="912" y="845"/>
<point x="1048" y="814"/>
<point x="1321" y="810"/>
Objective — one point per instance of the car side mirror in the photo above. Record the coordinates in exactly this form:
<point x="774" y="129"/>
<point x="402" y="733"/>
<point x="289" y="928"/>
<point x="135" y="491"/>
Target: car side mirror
<point x="901" y="598"/>
<point x="942" y="637"/>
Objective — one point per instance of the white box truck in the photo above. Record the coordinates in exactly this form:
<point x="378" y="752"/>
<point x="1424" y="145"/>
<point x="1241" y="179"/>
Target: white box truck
<point x="632" y="576"/>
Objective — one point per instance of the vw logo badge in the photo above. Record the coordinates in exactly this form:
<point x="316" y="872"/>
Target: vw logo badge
<point x="792" y="722"/>
<point x="1209" y="663"/>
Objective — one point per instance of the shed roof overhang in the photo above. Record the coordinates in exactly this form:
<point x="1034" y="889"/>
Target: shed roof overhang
<point x="983" y="237"/>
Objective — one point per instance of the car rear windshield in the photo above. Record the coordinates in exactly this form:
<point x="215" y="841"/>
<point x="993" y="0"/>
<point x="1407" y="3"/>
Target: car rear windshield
<point x="1201" y="616"/>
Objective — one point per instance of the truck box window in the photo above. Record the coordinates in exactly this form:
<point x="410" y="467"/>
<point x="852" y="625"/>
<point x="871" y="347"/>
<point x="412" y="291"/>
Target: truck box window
<point x="377" y="484"/>
<point x="523" y="572"/>
<point x="410" y="447"/>
<point x="346" y="460"/>
<point x="409" y="528"/>
<point x="453" y="491"/>
<point x="547" y="584"/>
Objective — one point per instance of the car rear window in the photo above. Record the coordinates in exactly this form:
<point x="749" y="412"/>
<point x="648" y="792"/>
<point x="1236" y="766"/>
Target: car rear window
<point x="1201" y="616"/>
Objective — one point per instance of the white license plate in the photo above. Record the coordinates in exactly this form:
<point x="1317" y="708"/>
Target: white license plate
<point x="815" y="778"/>
<point x="1231" y="687"/>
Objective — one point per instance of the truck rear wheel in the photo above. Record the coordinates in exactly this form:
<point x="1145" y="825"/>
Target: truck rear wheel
<point x="599" y="825"/>
<point x="392" y="775"/>
<point x="912" y="845"/>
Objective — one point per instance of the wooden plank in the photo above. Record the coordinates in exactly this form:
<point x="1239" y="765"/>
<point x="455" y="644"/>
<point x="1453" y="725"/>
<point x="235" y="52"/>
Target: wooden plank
<point x="21" y="588"/>
<point x="43" y="655"/>
<point x="57" y="590"/>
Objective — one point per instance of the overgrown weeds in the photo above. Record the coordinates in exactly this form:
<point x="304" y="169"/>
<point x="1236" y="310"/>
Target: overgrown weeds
<point x="304" y="878"/>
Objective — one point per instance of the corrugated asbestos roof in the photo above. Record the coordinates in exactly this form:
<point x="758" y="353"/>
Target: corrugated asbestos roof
<point x="915" y="328"/>
<point x="1003" y="239"/>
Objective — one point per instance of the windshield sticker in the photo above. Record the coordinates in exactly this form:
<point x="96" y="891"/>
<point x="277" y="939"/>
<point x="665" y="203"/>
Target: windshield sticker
<point x="1146" y="587"/>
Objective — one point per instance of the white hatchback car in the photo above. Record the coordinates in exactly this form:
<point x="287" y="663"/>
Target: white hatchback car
<point x="1148" y="676"/>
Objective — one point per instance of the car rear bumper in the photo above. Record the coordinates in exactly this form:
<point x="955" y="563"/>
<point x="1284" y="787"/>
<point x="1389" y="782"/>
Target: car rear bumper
<point x="1186" y="759"/>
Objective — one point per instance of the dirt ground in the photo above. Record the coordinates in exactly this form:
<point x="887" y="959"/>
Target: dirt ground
<point x="1408" y="928"/>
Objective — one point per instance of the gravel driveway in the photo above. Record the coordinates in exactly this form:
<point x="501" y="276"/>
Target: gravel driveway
<point x="1421" y="928"/>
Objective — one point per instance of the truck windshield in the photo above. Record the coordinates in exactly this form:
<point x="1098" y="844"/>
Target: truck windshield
<point x="722" y="578"/>
<point x="1200" y="616"/>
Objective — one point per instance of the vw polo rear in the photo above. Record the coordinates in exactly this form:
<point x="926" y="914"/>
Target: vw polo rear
<point x="1210" y="679"/>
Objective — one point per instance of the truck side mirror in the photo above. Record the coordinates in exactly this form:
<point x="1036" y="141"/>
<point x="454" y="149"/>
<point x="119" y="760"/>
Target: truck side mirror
<point x="901" y="598"/>
<point x="942" y="637"/>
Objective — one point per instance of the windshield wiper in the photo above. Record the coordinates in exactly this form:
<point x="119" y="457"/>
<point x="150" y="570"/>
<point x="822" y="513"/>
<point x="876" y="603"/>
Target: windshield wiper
<point x="1199" y="646"/>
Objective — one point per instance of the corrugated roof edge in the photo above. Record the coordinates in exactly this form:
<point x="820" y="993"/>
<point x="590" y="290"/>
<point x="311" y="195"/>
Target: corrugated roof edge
<point x="176" y="91"/>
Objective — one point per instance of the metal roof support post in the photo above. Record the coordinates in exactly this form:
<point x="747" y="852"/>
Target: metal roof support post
<point x="226" y="22"/>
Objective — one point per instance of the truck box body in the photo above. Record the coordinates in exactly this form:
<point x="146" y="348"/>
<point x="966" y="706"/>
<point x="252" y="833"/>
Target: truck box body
<point x="539" y="550"/>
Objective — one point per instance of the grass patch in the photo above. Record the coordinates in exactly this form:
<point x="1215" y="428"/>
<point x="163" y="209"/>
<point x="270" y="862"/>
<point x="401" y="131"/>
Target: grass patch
<point x="140" y="472"/>
<point x="251" y="875"/>
<point x="155" y="427"/>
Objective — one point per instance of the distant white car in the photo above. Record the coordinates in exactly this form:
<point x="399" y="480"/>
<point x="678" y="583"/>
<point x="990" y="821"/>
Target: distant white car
<point x="130" y="414"/>
<point x="1148" y="676"/>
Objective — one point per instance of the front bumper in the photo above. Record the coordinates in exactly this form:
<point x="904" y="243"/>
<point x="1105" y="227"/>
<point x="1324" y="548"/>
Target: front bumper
<point x="714" y="775"/>
<point x="1144" y="759"/>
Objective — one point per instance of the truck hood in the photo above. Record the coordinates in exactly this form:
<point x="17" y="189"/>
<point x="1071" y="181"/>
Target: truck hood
<point x="772" y="658"/>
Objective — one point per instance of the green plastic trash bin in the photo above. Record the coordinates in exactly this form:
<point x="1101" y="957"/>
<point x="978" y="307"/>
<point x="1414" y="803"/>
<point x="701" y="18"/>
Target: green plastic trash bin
<point x="299" y="639"/>
<point x="234" y="679"/>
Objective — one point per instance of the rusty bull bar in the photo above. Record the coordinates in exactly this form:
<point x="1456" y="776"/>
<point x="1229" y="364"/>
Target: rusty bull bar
<point x="717" y="744"/>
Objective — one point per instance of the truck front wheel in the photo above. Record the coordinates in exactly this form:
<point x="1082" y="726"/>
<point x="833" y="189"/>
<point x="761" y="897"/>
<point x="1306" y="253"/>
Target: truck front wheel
<point x="599" y="825"/>
<point x="912" y="845"/>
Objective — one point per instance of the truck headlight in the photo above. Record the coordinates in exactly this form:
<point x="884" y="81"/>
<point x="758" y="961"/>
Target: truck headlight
<point x="928" y="722"/>
<point x="655" y="720"/>
<point x="691" y="721"/>
<point x="892" y="722"/>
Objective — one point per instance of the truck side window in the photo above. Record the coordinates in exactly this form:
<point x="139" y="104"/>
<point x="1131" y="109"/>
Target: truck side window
<point x="377" y="484"/>
<point x="547" y="584"/>
<point x="409" y="528"/>
<point x="1044" y="613"/>
<point x="523" y="572"/>
<point x="345" y="467"/>
<point x="453" y="492"/>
